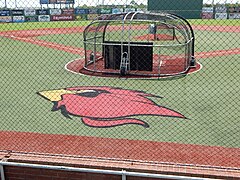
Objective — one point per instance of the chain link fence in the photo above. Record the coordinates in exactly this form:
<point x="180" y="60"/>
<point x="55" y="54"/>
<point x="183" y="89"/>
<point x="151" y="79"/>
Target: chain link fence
<point x="152" y="81"/>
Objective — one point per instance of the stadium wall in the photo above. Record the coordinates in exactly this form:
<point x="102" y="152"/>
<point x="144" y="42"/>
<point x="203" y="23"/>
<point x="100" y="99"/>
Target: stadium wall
<point x="192" y="10"/>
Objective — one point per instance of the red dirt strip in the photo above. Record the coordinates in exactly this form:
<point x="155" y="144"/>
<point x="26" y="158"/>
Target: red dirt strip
<point x="83" y="146"/>
<point x="232" y="29"/>
<point x="216" y="53"/>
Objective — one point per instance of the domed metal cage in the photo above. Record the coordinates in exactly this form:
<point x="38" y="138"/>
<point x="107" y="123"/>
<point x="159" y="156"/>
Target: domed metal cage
<point x="136" y="43"/>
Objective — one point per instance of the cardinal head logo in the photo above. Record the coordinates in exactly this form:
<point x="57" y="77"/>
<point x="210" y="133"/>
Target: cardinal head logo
<point x="101" y="106"/>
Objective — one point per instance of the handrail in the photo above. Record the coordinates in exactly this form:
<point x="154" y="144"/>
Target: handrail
<point x="122" y="173"/>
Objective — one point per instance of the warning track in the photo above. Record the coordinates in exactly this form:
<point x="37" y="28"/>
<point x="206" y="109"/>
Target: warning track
<point x="121" y="149"/>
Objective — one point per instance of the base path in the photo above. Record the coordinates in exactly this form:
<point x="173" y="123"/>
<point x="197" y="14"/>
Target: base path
<point x="232" y="29"/>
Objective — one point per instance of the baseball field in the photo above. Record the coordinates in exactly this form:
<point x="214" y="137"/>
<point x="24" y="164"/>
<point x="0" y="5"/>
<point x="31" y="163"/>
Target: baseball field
<point x="199" y="118"/>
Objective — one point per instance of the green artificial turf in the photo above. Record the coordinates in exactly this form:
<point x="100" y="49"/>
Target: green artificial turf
<point x="215" y="22"/>
<point x="40" y="25"/>
<point x="64" y="39"/>
<point x="209" y="98"/>
<point x="204" y="40"/>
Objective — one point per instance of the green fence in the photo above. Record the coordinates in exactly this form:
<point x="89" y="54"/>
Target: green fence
<point x="186" y="8"/>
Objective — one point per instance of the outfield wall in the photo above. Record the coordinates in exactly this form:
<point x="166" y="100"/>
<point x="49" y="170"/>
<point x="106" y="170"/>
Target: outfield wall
<point x="46" y="15"/>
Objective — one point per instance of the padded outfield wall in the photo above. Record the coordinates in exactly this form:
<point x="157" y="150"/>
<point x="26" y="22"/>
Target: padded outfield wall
<point x="190" y="9"/>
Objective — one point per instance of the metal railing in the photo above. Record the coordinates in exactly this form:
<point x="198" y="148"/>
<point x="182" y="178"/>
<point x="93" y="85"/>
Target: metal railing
<point x="124" y="174"/>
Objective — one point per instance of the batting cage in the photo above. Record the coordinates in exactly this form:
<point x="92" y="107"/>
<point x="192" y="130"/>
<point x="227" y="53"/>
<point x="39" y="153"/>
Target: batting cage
<point x="139" y="44"/>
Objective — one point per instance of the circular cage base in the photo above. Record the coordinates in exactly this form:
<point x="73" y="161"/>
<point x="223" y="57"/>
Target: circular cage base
<point x="77" y="67"/>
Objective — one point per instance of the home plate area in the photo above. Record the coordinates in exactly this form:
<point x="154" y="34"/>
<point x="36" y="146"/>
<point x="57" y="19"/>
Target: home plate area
<point x="162" y="64"/>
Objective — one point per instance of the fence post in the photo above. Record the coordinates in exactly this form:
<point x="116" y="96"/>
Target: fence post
<point x="2" y="172"/>
<point x="124" y="177"/>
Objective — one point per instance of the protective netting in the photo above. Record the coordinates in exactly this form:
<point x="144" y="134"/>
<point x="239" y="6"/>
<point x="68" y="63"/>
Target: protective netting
<point x="152" y="81"/>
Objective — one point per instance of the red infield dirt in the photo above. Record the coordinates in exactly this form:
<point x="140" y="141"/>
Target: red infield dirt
<point x="152" y="37"/>
<point x="168" y="67"/>
<point x="232" y="29"/>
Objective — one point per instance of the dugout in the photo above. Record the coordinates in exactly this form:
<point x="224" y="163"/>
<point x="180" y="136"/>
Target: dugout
<point x="136" y="43"/>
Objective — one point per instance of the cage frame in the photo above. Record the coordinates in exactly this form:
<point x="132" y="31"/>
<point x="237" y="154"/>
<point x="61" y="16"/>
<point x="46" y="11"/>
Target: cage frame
<point x="129" y="18"/>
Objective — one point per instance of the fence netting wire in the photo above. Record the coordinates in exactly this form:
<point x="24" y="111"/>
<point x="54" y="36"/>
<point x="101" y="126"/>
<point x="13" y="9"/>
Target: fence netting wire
<point x="143" y="81"/>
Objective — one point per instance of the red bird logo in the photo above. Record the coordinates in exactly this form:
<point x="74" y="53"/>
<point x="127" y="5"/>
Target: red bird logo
<point x="101" y="106"/>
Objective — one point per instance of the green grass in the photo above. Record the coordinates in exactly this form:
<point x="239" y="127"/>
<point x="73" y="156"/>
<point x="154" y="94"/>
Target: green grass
<point x="205" y="40"/>
<point x="215" y="22"/>
<point x="65" y="39"/>
<point x="39" y="25"/>
<point x="210" y="41"/>
<point x="209" y="98"/>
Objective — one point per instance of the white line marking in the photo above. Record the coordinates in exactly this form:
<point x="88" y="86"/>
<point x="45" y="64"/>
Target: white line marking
<point x="81" y="74"/>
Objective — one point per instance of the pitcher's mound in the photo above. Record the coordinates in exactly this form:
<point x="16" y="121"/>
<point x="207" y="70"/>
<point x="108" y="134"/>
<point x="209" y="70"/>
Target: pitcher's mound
<point x="155" y="37"/>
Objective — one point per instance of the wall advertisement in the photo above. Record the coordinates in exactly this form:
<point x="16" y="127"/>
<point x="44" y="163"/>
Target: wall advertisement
<point x="234" y="15"/>
<point x="17" y="12"/>
<point x="18" y="19"/>
<point x="220" y="9"/>
<point x="5" y="13"/>
<point x="43" y="18"/>
<point x="62" y="18"/>
<point x="68" y="11"/>
<point x="31" y="18"/>
<point x="81" y="11"/>
<point x="42" y="12"/>
<point x="207" y="13"/>
<point x="221" y="16"/>
<point x="30" y="12"/>
<point x="55" y="11"/>
<point x="57" y="1"/>
<point x="105" y="11"/>
<point x="5" y="19"/>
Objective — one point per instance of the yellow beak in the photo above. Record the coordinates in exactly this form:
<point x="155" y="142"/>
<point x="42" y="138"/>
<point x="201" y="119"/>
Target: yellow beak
<point x="55" y="95"/>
